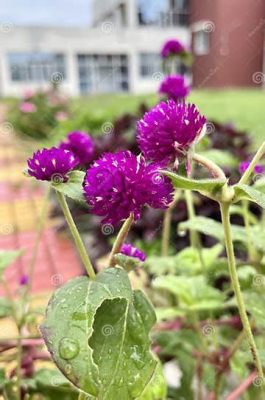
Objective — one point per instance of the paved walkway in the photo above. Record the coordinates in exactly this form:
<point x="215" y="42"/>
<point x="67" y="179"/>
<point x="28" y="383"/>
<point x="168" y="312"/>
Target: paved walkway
<point x="21" y="201"/>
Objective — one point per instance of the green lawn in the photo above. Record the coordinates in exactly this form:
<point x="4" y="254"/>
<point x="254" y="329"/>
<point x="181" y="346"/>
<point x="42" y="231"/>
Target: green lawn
<point x="244" y="108"/>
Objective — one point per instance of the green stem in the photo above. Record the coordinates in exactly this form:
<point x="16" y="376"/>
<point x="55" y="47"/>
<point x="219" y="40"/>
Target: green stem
<point x="260" y="153"/>
<point x="120" y="239"/>
<point x="236" y="286"/>
<point x="167" y="225"/>
<point x="214" y="170"/>
<point x="77" y="238"/>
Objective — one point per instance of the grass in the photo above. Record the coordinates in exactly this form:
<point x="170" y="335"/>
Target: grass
<point x="243" y="107"/>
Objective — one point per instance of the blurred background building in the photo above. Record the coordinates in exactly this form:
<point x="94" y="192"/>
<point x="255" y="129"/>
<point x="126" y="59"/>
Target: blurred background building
<point x="120" y="50"/>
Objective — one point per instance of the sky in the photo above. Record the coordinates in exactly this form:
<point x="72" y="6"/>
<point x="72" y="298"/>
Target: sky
<point x="46" y="12"/>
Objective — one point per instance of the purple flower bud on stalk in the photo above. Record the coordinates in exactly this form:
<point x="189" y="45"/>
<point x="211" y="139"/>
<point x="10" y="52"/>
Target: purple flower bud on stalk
<point x="51" y="164"/>
<point x="174" y="87"/>
<point x="119" y="184"/>
<point x="128" y="250"/>
<point x="172" y="47"/>
<point x="23" y="280"/>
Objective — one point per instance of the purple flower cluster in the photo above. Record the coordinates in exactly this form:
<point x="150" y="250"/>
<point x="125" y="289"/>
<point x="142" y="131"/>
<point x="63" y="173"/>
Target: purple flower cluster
<point x="51" y="164"/>
<point x="168" y="130"/>
<point x="259" y="169"/>
<point x="172" y="47"/>
<point x="128" y="250"/>
<point x="119" y="184"/>
<point x="174" y="87"/>
<point x="81" y="145"/>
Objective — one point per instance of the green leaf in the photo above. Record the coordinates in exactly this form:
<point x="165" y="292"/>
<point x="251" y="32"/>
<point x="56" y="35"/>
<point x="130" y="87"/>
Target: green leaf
<point x="157" y="388"/>
<point x="192" y="293"/>
<point x="73" y="188"/>
<point x="201" y="185"/>
<point x="7" y="257"/>
<point x="186" y="262"/>
<point x="168" y="313"/>
<point x="212" y="228"/>
<point x="249" y="193"/>
<point x="255" y="304"/>
<point x="98" y="335"/>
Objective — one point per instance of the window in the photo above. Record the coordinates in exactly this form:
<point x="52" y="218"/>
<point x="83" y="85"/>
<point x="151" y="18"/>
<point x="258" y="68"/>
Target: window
<point x="201" y="42"/>
<point x="150" y="63"/>
<point x="35" y="67"/>
<point x="163" y="13"/>
<point x="149" y="11"/>
<point x="103" y="73"/>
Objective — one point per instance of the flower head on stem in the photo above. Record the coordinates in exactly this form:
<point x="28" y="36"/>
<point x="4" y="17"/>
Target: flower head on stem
<point x="120" y="184"/>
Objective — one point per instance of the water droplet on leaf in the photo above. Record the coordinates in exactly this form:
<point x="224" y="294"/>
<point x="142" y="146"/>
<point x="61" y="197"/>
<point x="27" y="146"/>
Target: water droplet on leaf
<point x="68" y="348"/>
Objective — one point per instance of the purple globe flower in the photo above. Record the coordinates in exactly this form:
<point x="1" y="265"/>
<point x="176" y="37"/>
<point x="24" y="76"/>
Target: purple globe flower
<point x="51" y="164"/>
<point x="174" y="87"/>
<point x="23" y="280"/>
<point x="168" y="130"/>
<point x="172" y="47"/>
<point x="128" y="250"/>
<point x="119" y="184"/>
<point x="81" y="144"/>
<point x="259" y="169"/>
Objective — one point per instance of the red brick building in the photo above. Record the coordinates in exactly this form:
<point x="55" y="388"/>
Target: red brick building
<point x="228" y="42"/>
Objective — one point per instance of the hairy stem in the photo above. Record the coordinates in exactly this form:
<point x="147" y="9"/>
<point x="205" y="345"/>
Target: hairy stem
<point x="214" y="170"/>
<point x="120" y="239"/>
<point x="167" y="225"/>
<point x="260" y="153"/>
<point x="77" y="238"/>
<point x="236" y="286"/>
